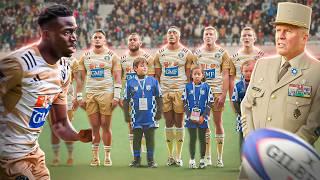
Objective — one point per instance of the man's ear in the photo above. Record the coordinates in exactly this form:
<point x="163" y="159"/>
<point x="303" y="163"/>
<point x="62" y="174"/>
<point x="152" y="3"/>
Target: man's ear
<point x="44" y="34"/>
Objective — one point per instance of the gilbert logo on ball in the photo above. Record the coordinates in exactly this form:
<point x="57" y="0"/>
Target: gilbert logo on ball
<point x="276" y="154"/>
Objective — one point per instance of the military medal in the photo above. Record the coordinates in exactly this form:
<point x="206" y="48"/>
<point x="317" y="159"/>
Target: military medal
<point x="296" y="113"/>
<point x="299" y="90"/>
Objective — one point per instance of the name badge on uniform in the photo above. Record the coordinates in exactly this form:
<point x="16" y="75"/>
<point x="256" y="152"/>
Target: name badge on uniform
<point x="171" y="71"/>
<point x="195" y="114"/>
<point x="210" y="73"/>
<point x="143" y="104"/>
<point x="299" y="90"/>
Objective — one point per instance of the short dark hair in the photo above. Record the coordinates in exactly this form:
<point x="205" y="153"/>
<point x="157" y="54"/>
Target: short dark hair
<point x="52" y="12"/>
<point x="100" y="31"/>
<point x="139" y="60"/>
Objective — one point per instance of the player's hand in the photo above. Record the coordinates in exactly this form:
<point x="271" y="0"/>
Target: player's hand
<point x="121" y="103"/>
<point x="75" y="104"/>
<point x="201" y="120"/>
<point x="115" y="103"/>
<point x="85" y="135"/>
<point x="219" y="103"/>
<point x="83" y="104"/>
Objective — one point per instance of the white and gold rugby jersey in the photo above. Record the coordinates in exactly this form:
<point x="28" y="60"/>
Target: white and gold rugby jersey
<point x="72" y="65"/>
<point x="99" y="68"/>
<point x="173" y="65"/>
<point x="213" y="63"/>
<point x="127" y="65"/>
<point x="28" y="88"/>
<point x="240" y="57"/>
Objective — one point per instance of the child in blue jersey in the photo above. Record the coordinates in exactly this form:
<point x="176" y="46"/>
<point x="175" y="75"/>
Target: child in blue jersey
<point x="197" y="98"/>
<point x="239" y="92"/>
<point x="143" y="95"/>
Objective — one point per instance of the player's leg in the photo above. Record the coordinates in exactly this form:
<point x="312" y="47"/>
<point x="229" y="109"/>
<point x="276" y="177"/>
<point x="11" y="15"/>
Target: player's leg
<point x="178" y="119"/>
<point x="149" y="135"/>
<point x="55" y="144"/>
<point x="137" y="136"/>
<point x="192" y="147"/>
<point x="208" y="147"/>
<point x="168" y="114"/>
<point x="106" y="138"/>
<point x="240" y="143"/>
<point x="202" y="141"/>
<point x="40" y="170"/>
<point x="105" y="105"/>
<point x="70" y="144"/>
<point x="20" y="168"/>
<point x="219" y="136"/>
<point x="130" y="137"/>
<point x="94" y="119"/>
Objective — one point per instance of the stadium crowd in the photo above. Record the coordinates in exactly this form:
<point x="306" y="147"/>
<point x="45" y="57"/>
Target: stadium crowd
<point x="151" y="19"/>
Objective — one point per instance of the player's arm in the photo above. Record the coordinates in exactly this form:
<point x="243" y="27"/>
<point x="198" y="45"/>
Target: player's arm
<point x="310" y="131"/>
<point x="190" y="59"/>
<point x="61" y="125"/>
<point x="76" y="77"/>
<point x="225" y="68"/>
<point x="126" y="101"/>
<point x="157" y="67"/>
<point x="209" y="103"/>
<point x="185" y="102"/>
<point x="159" y="101"/>
<point x="82" y="74"/>
<point x="11" y="74"/>
<point x="246" y="106"/>
<point x="232" y="75"/>
<point x="151" y="68"/>
<point x="116" y="72"/>
<point x="235" y="103"/>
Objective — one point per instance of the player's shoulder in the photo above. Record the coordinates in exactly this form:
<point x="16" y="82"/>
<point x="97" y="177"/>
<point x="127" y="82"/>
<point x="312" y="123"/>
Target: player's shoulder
<point x="110" y="52"/>
<point x="197" y="51"/>
<point x="185" y="49"/>
<point x="28" y="57"/>
<point x="221" y="49"/>
<point x="162" y="50"/>
<point x="146" y="55"/>
<point x="123" y="58"/>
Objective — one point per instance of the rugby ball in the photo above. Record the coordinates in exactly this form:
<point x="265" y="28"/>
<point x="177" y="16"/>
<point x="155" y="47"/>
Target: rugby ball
<point x="276" y="154"/>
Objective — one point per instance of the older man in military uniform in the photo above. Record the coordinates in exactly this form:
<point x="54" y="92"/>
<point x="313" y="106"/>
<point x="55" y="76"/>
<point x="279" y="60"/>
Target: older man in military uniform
<point x="284" y="91"/>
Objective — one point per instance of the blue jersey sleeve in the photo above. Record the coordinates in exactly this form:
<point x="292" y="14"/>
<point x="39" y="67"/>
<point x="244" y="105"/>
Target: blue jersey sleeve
<point x="235" y="96"/>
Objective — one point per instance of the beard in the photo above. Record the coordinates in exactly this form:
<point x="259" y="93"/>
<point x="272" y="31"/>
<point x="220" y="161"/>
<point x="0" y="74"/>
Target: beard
<point x="134" y="49"/>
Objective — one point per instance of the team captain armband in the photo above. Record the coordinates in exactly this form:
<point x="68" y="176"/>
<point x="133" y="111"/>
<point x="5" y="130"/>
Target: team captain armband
<point x="117" y="91"/>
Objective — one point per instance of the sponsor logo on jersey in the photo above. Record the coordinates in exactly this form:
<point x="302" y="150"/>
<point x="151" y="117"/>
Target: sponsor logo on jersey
<point x="97" y="73"/>
<point x="130" y="76"/>
<point x="38" y="117"/>
<point x="210" y="73"/>
<point x="171" y="71"/>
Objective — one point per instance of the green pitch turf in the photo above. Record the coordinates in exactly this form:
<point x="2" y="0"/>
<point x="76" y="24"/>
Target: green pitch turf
<point x="121" y="155"/>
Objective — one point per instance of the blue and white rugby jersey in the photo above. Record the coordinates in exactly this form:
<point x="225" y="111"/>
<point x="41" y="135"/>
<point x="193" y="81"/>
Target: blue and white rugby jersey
<point x="239" y="91"/>
<point x="133" y="91"/>
<point x="200" y="96"/>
